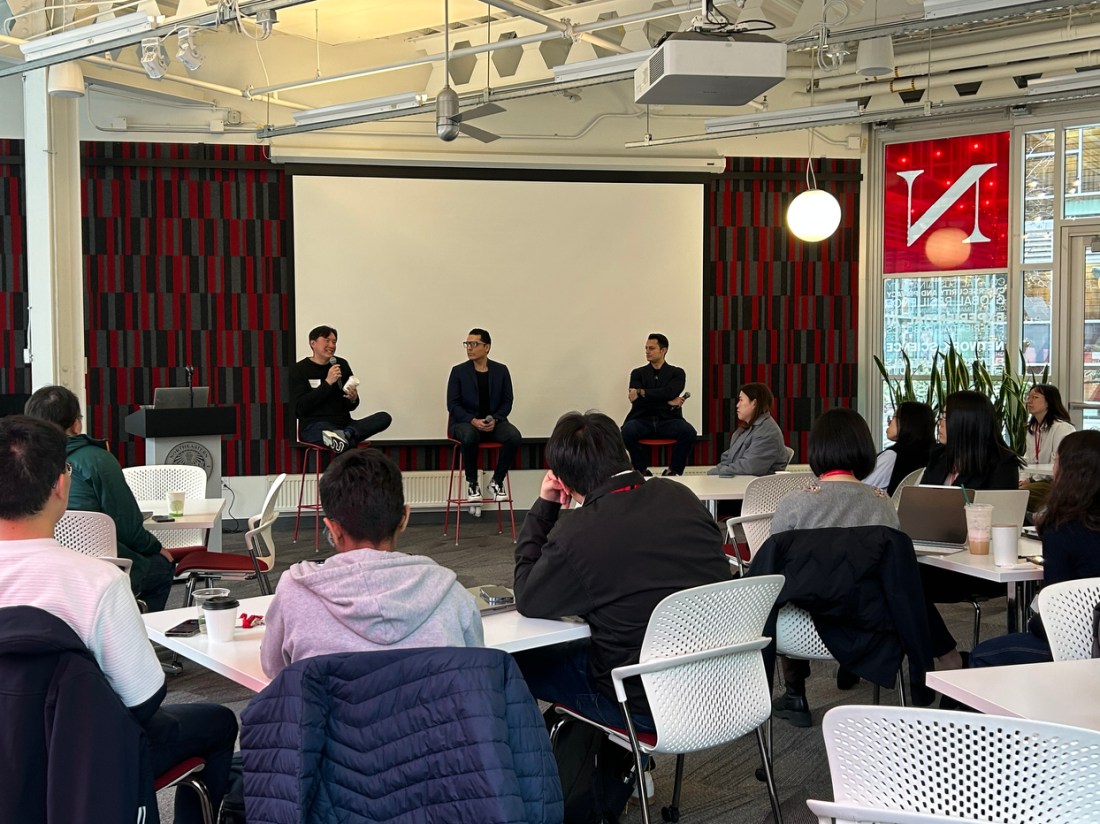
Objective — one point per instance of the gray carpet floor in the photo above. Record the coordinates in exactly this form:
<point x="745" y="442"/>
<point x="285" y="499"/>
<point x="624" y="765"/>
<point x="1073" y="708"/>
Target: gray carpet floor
<point x="719" y="785"/>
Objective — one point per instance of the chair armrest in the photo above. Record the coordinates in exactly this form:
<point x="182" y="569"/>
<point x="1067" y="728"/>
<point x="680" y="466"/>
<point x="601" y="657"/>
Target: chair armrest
<point x="746" y="519"/>
<point x="122" y="563"/>
<point x="643" y="667"/>
<point x="828" y="812"/>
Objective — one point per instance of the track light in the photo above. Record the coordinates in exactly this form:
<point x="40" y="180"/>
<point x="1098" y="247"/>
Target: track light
<point x="103" y="35"/>
<point x="187" y="54"/>
<point x="338" y="114"/>
<point x="154" y="57"/>
<point x="784" y="119"/>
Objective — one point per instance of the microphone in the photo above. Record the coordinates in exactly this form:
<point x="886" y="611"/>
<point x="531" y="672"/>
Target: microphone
<point x="190" y="370"/>
<point x="685" y="395"/>
<point x="332" y="362"/>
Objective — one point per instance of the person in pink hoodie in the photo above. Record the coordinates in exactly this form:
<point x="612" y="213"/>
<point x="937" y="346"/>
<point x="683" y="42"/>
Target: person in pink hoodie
<point x="368" y="596"/>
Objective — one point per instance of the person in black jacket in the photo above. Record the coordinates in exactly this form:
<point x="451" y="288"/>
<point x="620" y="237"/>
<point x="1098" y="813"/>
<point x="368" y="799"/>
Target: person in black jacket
<point x="912" y="428"/>
<point x="656" y="395"/>
<point x="611" y="561"/>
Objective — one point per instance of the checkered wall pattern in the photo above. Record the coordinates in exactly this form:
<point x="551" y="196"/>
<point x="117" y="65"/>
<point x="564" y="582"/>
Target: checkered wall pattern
<point x="15" y="376"/>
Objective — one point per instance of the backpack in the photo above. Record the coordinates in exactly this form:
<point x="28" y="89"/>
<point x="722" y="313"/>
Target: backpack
<point x="597" y="775"/>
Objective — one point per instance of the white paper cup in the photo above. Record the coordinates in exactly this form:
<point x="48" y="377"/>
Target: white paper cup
<point x="175" y="498"/>
<point x="221" y="618"/>
<point x="1005" y="543"/>
<point x="200" y="597"/>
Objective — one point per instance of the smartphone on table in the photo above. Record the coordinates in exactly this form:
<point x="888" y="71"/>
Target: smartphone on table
<point x="185" y="630"/>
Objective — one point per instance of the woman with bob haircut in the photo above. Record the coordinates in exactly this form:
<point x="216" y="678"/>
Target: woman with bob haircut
<point x="912" y="428"/>
<point x="757" y="447"/>
<point x="1070" y="530"/>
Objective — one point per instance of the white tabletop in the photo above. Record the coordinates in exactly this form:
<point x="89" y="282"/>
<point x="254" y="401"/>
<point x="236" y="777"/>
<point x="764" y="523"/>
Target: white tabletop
<point x="198" y="513"/>
<point x="1046" y="470"/>
<point x="982" y="566"/>
<point x="715" y="487"/>
<point x="239" y="660"/>
<point x="1062" y="692"/>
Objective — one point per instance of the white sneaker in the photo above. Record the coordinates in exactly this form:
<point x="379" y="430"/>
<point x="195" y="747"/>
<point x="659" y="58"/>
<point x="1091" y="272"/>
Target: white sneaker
<point x="473" y="491"/>
<point x="496" y="490"/>
<point x="334" y="440"/>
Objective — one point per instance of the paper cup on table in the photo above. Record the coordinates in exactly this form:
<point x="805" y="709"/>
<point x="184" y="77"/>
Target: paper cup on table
<point x="979" y="527"/>
<point x="221" y="618"/>
<point x="175" y="498"/>
<point x="201" y="596"/>
<point x="1005" y="543"/>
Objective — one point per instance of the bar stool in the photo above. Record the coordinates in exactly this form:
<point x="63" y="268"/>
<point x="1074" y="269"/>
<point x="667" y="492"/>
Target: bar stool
<point x="490" y="448"/>
<point x="655" y="445"/>
<point x="318" y="451"/>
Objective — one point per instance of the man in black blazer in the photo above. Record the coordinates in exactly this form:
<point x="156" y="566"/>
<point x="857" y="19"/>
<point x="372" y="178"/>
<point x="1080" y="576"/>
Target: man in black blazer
<point x="479" y="401"/>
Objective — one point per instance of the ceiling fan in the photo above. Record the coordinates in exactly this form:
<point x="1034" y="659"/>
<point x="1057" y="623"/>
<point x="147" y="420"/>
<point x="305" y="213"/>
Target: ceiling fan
<point x="449" y="120"/>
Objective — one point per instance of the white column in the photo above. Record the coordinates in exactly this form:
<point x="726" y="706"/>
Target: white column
<point x="55" y="280"/>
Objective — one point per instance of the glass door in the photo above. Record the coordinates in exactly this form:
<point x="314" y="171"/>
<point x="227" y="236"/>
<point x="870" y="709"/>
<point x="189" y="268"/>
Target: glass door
<point x="1081" y="251"/>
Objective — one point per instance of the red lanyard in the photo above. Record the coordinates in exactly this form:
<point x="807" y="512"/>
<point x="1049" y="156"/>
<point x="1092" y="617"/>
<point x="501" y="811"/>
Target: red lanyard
<point x="1038" y="437"/>
<point x="836" y="472"/>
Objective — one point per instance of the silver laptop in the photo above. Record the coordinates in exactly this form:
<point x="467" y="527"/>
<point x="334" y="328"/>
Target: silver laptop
<point x="179" y="397"/>
<point x="933" y="516"/>
<point x="1009" y="505"/>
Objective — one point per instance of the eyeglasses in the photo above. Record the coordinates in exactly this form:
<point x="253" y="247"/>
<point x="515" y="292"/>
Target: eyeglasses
<point x="68" y="468"/>
<point x="473" y="344"/>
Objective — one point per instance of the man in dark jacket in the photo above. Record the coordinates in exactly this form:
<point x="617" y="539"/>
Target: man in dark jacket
<point x="656" y="394"/>
<point x="98" y="485"/>
<point x="611" y="561"/>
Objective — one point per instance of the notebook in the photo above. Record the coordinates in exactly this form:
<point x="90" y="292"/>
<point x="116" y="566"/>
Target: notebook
<point x="934" y="517"/>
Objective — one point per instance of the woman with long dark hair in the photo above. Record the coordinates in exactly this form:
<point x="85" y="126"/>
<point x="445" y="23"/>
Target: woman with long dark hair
<point x="756" y="447"/>
<point x="972" y="452"/>
<point x="912" y="428"/>
<point x="1070" y="530"/>
<point x="1048" y="425"/>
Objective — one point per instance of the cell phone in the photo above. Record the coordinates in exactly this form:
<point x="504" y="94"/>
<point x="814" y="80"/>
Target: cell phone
<point x="163" y="519"/>
<point x="185" y="630"/>
<point x="496" y="596"/>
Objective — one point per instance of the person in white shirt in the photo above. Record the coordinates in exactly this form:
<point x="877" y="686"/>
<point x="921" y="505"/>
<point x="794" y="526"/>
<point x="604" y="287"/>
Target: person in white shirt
<point x="1049" y="423"/>
<point x="94" y="599"/>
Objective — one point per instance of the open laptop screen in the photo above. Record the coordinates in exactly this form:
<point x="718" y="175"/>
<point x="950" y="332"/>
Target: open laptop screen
<point x="933" y="514"/>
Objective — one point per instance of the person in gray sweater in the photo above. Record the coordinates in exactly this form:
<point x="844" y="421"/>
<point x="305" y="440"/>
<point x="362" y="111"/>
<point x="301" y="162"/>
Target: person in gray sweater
<point x="842" y="454"/>
<point x="368" y="596"/>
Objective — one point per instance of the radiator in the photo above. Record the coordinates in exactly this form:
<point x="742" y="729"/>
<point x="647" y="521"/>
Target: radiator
<point x="423" y="490"/>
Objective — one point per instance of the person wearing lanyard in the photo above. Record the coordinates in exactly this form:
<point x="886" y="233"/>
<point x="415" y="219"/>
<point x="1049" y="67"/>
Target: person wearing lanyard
<point x="1048" y="425"/>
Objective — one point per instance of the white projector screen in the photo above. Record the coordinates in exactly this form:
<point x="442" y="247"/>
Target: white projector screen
<point x="568" y="278"/>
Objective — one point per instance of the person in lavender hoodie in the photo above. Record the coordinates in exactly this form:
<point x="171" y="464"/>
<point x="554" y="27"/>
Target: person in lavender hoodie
<point x="368" y="596"/>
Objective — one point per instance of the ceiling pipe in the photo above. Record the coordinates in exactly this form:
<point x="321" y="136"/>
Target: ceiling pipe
<point x="557" y="25"/>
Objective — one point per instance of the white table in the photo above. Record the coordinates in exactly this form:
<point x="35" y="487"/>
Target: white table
<point x="1018" y="579"/>
<point x="1046" y="470"/>
<point x="710" y="489"/>
<point x="239" y="660"/>
<point x="1062" y="692"/>
<point x="198" y="513"/>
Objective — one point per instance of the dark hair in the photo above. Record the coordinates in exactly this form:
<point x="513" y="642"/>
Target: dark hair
<point x="916" y="425"/>
<point x="32" y="458"/>
<point x="662" y="341"/>
<point x="840" y="440"/>
<point x="585" y="450"/>
<point x="762" y="395"/>
<point x="483" y="334"/>
<point x="974" y="441"/>
<point x="55" y="404"/>
<point x="1056" y="410"/>
<point x="322" y="332"/>
<point x="1075" y="490"/>
<point x="361" y="490"/>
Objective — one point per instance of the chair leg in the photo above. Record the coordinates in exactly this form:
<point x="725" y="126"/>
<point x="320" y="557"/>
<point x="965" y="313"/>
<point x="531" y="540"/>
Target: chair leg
<point x="639" y="767"/>
<point x="977" y="622"/>
<point x="875" y="695"/>
<point x="672" y="812"/>
<point x="511" y="509"/>
<point x="765" y="756"/>
<point x="901" y="687"/>
<point x="199" y="789"/>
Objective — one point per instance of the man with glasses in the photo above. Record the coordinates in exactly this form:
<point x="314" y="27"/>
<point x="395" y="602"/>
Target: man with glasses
<point x="98" y="485"/>
<point x="479" y="401"/>
<point x="323" y="392"/>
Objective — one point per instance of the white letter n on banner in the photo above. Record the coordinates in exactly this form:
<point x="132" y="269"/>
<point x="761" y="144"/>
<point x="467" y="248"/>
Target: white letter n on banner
<point x="971" y="177"/>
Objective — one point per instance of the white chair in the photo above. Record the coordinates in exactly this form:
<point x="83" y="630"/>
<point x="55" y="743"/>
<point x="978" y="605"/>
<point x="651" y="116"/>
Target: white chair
<point x="761" y="496"/>
<point x="150" y="483"/>
<point x="912" y="479"/>
<point x="890" y="764"/>
<point x="90" y="533"/>
<point x="703" y="675"/>
<point x="790" y="456"/>
<point x="211" y="566"/>
<point x="1066" y="609"/>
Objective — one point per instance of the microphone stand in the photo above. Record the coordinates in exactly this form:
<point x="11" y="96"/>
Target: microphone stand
<point x="191" y="384"/>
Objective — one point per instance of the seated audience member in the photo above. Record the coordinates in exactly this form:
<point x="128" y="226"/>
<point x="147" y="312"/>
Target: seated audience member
<point x="912" y="428"/>
<point x="611" y="561"/>
<point x="368" y="596"/>
<point x="841" y="455"/>
<point x="972" y="454"/>
<point x="323" y="392"/>
<point x="1048" y="425"/>
<point x="98" y="485"/>
<point x="757" y="447"/>
<point x="93" y="598"/>
<point x="1070" y="530"/>
<point x="656" y="395"/>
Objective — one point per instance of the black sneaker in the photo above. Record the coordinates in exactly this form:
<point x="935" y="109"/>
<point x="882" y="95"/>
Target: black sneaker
<point x="473" y="491"/>
<point x="792" y="708"/>
<point x="846" y="679"/>
<point x="497" y="491"/>
<point x="334" y="440"/>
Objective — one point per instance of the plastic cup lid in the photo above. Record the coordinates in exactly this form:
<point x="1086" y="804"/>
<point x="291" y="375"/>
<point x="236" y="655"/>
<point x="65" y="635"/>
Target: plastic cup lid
<point x="221" y="602"/>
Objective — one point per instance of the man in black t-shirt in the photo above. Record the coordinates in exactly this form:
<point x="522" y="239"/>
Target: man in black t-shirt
<point x="323" y="392"/>
<point x="657" y="396"/>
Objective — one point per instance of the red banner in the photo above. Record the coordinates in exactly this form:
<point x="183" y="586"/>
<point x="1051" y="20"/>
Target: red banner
<point x="946" y="205"/>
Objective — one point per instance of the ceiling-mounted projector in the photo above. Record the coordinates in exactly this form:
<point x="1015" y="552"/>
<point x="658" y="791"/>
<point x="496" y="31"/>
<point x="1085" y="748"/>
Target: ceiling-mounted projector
<point x="697" y="69"/>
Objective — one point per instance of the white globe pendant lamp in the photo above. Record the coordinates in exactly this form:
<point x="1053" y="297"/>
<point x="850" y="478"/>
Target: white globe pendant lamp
<point x="814" y="214"/>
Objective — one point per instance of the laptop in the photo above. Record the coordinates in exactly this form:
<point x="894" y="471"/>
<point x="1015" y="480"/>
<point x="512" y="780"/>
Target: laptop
<point x="1009" y="505"/>
<point x="497" y="600"/>
<point x="933" y="516"/>
<point x="179" y="397"/>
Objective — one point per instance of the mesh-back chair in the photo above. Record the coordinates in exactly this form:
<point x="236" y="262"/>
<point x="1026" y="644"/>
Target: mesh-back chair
<point x="150" y="483"/>
<point x="1067" y="617"/>
<point x="936" y="765"/>
<point x="90" y="533"/>
<point x="912" y="479"/>
<point x="790" y="456"/>
<point x="755" y="521"/>
<point x="260" y="546"/>
<point x="703" y="675"/>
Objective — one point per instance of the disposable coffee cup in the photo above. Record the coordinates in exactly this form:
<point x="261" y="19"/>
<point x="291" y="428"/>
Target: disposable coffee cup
<point x="1005" y="542"/>
<point x="979" y="527"/>
<point x="175" y="498"/>
<point x="221" y="618"/>
<point x="201" y="596"/>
